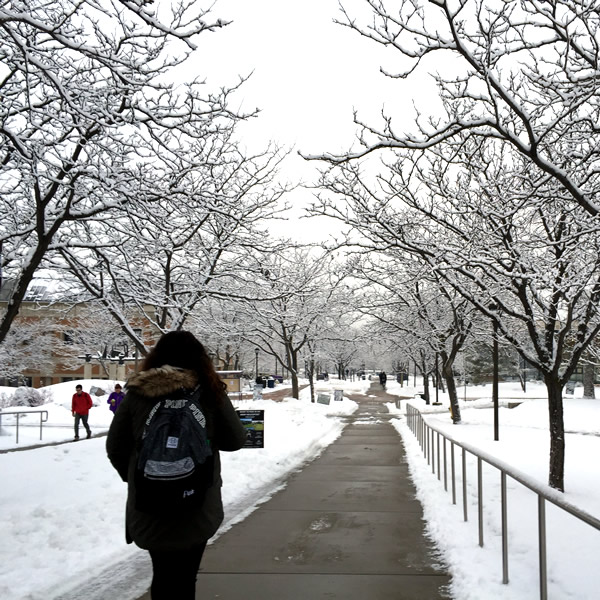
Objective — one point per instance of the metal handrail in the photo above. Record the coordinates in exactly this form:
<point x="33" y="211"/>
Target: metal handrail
<point x="426" y="435"/>
<point x="43" y="419"/>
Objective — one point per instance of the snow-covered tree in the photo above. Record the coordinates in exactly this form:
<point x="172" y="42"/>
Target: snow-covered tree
<point x="501" y="176"/>
<point x="420" y="315"/>
<point x="188" y="243"/>
<point x="343" y="345"/>
<point x="296" y="293"/>
<point x="34" y="344"/>
<point x="88" y="104"/>
<point x="524" y="72"/>
<point x="521" y="253"/>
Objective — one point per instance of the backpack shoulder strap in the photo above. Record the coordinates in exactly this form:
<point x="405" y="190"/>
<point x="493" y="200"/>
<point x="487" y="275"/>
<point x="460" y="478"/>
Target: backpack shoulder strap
<point x="196" y="393"/>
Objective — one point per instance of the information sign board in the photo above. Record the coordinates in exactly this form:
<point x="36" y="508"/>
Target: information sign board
<point x="254" y="422"/>
<point x="323" y="398"/>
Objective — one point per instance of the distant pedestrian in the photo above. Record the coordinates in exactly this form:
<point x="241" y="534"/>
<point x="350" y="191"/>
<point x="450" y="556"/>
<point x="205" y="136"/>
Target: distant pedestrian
<point x="80" y="409"/>
<point x="382" y="378"/>
<point x="176" y="367"/>
<point x="114" y="400"/>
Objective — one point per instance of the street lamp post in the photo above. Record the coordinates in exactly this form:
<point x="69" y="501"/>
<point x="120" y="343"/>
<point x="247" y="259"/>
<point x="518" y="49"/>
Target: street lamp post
<point x="87" y="367"/>
<point x="256" y="363"/>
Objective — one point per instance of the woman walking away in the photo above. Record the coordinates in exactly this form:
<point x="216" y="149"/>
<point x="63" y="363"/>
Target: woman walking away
<point x="156" y="441"/>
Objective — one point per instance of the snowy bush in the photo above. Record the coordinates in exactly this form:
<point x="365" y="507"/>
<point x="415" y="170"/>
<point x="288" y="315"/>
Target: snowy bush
<point x="46" y="394"/>
<point x="26" y="396"/>
<point x="5" y="400"/>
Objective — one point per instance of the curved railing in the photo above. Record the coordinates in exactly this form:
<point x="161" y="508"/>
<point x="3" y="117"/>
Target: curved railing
<point x="430" y="439"/>
<point x="43" y="417"/>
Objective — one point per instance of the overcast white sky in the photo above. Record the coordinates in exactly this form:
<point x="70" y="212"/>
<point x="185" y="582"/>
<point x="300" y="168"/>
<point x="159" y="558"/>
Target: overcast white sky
<point x="309" y="74"/>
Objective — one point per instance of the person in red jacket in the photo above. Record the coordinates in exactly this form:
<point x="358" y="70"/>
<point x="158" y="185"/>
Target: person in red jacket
<point x="80" y="407"/>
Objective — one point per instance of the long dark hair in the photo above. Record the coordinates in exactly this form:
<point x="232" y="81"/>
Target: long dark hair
<point x="182" y="349"/>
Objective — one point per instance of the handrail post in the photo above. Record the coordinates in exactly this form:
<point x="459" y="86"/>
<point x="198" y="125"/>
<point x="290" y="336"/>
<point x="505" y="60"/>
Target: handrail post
<point x="438" y="455"/>
<point x="453" y="473"/>
<point x="433" y="451"/>
<point x="427" y="443"/>
<point x="542" y="547"/>
<point x="445" y="466"/>
<point x="480" y="498"/>
<point x="504" y="528"/>
<point x="464" y="483"/>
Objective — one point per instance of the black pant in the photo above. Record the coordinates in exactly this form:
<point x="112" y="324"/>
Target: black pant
<point x="175" y="572"/>
<point x="84" y="420"/>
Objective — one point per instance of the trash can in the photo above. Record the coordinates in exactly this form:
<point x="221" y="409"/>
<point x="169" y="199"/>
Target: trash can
<point x="270" y="382"/>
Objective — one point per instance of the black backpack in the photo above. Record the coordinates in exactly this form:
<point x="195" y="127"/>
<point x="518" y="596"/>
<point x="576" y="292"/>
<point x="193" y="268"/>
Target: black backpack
<point x="175" y="461"/>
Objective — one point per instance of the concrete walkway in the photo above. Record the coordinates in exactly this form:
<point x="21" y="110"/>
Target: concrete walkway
<point x="347" y="526"/>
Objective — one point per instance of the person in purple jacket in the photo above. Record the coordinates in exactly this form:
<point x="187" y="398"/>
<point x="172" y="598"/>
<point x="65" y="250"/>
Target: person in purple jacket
<point x="115" y="398"/>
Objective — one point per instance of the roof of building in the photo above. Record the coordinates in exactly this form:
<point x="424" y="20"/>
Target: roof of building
<point x="41" y="290"/>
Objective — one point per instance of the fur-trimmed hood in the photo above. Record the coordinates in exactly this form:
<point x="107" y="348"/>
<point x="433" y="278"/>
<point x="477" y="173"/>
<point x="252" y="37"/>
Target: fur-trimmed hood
<point x="160" y="381"/>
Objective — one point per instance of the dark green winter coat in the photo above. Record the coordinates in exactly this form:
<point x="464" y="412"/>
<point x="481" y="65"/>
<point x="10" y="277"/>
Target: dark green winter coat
<point x="225" y="432"/>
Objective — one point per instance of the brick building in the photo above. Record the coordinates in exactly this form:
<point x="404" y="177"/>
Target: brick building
<point x="58" y="340"/>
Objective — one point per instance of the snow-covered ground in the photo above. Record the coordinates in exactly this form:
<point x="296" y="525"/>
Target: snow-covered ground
<point x="61" y="523"/>
<point x="62" y="505"/>
<point x="573" y="548"/>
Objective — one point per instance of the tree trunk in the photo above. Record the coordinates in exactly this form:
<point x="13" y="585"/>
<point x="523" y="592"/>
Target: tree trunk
<point x="557" y="434"/>
<point x="294" y="373"/>
<point x="292" y="368"/>
<point x="588" y="381"/>
<point x="440" y="381"/>
<point x="425" y="382"/>
<point x="523" y="382"/>
<point x="448" y="375"/>
<point x="295" y="386"/>
<point x="311" y="380"/>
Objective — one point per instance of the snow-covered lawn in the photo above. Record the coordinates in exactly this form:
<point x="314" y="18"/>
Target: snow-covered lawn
<point x="573" y="547"/>
<point x="61" y="522"/>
